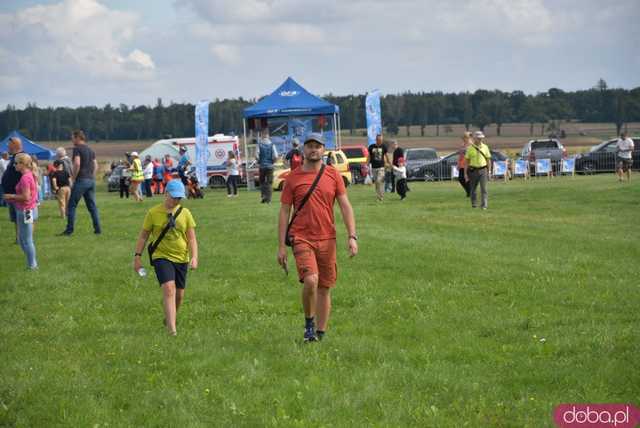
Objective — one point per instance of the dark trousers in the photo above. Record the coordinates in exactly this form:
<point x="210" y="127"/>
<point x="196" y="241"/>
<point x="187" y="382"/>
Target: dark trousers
<point x="388" y="181"/>
<point x="147" y="187"/>
<point x="83" y="188"/>
<point x="463" y="182"/>
<point x="479" y="176"/>
<point x="266" y="184"/>
<point x="158" y="185"/>
<point x="393" y="183"/>
<point x="232" y="184"/>
<point x="124" y="188"/>
<point x="401" y="187"/>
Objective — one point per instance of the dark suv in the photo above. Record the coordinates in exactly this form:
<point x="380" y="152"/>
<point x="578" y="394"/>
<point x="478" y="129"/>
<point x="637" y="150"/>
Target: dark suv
<point x="602" y="157"/>
<point x="422" y="164"/>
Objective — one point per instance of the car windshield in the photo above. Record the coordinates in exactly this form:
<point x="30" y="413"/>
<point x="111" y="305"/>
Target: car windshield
<point x="498" y="156"/>
<point x="598" y="146"/>
<point x="421" y="154"/>
<point x="545" y="144"/>
<point x="354" y="153"/>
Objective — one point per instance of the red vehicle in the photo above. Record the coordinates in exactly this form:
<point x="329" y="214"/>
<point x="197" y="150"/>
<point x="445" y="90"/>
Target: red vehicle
<point x="358" y="157"/>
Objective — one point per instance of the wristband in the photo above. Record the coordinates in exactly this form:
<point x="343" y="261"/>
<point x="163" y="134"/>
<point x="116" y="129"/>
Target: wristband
<point x="354" y="237"/>
<point x="137" y="255"/>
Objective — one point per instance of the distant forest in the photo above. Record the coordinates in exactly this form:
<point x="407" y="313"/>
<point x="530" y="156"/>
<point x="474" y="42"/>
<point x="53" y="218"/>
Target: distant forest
<point x="399" y="112"/>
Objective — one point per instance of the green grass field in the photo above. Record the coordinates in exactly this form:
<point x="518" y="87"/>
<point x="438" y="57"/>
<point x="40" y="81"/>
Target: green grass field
<point x="448" y="316"/>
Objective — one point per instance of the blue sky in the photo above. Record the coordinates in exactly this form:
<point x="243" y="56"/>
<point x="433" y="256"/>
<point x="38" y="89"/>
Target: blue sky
<point x="93" y="52"/>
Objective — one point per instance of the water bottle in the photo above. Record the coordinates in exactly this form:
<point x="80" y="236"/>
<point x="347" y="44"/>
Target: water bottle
<point x="142" y="272"/>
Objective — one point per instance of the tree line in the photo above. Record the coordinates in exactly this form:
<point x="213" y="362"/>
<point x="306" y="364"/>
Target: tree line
<point x="400" y="112"/>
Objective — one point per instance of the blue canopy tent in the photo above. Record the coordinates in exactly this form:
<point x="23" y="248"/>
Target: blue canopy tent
<point x="293" y="106"/>
<point x="28" y="146"/>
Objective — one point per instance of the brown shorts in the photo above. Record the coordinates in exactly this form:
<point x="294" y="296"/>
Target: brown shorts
<point x="317" y="258"/>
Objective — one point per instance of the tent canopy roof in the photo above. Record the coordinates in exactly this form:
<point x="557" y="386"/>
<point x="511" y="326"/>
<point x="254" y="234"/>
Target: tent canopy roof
<point x="28" y="146"/>
<point x="290" y="99"/>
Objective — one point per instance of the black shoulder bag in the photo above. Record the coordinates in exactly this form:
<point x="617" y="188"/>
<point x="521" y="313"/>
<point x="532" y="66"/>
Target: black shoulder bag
<point x="171" y="223"/>
<point x="287" y="238"/>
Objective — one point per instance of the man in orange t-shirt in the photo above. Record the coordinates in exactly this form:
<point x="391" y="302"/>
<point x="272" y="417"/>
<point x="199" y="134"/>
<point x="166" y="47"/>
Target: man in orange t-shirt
<point x="313" y="233"/>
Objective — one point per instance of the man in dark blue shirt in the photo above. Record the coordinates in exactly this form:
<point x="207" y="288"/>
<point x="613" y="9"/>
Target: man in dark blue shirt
<point x="11" y="177"/>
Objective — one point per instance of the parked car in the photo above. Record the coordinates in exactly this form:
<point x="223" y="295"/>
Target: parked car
<point x="357" y="156"/>
<point x="335" y="158"/>
<point x="442" y="170"/>
<point x="549" y="148"/>
<point x="602" y="157"/>
<point x="113" y="182"/>
<point x="422" y="164"/>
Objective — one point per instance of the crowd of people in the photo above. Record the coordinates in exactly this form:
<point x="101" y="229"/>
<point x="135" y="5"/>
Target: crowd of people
<point x="306" y="220"/>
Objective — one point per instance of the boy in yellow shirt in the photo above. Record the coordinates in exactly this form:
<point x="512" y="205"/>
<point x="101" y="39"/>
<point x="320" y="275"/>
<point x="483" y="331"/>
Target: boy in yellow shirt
<point x="177" y="250"/>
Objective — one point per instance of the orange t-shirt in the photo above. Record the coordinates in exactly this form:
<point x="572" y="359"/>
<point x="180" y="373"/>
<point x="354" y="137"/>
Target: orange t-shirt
<point x="315" y="222"/>
<point x="461" y="160"/>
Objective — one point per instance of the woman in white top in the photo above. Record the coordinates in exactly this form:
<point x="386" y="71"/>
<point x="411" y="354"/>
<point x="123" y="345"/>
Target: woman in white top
<point x="233" y="175"/>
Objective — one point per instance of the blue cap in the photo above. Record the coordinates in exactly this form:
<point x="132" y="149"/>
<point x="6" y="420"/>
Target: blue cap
<point x="314" y="136"/>
<point x="175" y="188"/>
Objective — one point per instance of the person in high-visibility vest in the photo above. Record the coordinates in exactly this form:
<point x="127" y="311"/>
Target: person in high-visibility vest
<point x="478" y="169"/>
<point x="137" y="176"/>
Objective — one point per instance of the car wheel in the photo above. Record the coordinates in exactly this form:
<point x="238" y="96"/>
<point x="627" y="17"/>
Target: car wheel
<point x="588" y="168"/>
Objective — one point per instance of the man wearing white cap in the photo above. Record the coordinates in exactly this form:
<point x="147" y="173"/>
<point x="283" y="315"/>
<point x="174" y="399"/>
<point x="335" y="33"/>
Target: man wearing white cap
<point x="478" y="168"/>
<point x="137" y="176"/>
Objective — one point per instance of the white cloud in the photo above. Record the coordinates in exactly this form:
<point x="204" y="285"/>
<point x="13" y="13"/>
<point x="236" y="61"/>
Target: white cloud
<point x="74" y="40"/>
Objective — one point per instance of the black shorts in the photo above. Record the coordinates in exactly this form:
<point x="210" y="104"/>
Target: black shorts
<point x="624" y="163"/>
<point x="169" y="271"/>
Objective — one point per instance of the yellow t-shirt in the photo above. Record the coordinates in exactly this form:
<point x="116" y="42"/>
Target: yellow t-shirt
<point x="136" y="173"/>
<point x="474" y="158"/>
<point x="173" y="246"/>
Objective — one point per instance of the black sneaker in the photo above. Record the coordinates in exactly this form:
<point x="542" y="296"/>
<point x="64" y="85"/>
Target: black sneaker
<point x="310" y="335"/>
<point x="65" y="233"/>
<point x="319" y="335"/>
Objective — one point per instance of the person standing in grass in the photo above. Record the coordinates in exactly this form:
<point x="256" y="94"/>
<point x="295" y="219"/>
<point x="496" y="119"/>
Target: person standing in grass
<point x="233" y="174"/>
<point x="477" y="170"/>
<point x="61" y="185"/>
<point x="147" y="172"/>
<point x="624" y="150"/>
<point x="4" y="162"/>
<point x="378" y="159"/>
<point x="25" y="200"/>
<point x="400" y="178"/>
<point x="313" y="232"/>
<point x="137" y="176"/>
<point x="11" y="177"/>
<point x="85" y="167"/>
<point x="462" y="163"/>
<point x="175" y="253"/>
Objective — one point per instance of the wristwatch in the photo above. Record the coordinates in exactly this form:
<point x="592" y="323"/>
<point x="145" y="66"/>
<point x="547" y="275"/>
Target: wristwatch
<point x="354" y="237"/>
<point x="137" y="255"/>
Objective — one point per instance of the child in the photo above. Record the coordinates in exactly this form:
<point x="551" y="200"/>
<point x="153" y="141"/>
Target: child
<point x="60" y="181"/>
<point x="400" y="172"/>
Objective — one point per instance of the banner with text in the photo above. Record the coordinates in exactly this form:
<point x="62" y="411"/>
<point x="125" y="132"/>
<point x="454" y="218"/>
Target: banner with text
<point x="202" y="142"/>
<point x="374" y="115"/>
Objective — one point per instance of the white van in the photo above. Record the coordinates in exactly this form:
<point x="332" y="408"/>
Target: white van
<point x="219" y="147"/>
